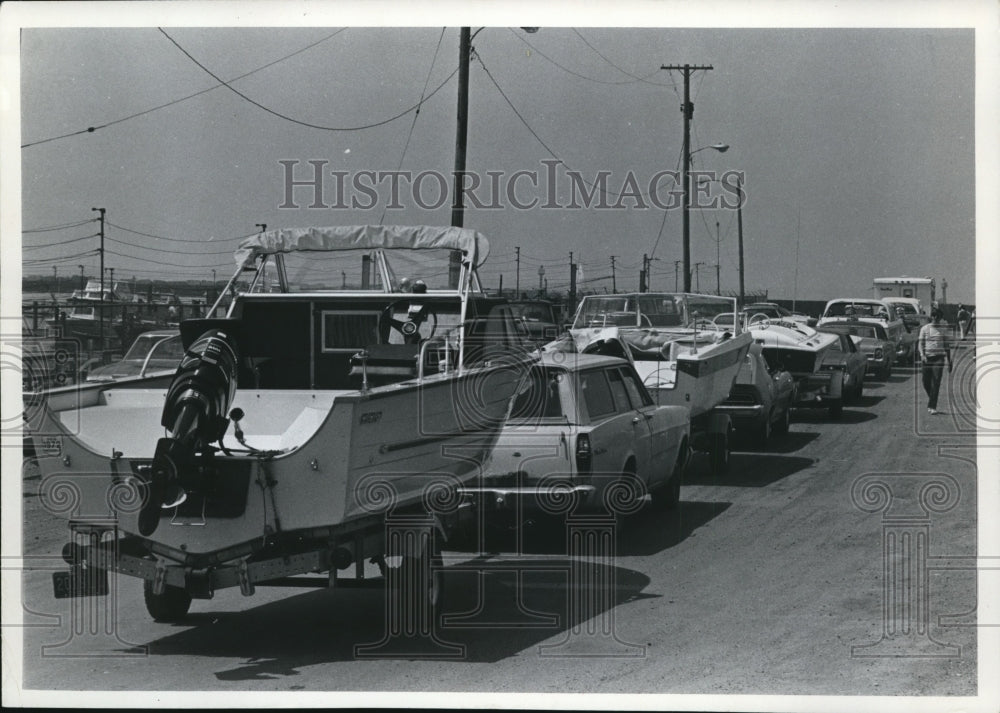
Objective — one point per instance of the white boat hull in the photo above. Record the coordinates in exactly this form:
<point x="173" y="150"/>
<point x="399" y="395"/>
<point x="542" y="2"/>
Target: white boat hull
<point x="353" y="455"/>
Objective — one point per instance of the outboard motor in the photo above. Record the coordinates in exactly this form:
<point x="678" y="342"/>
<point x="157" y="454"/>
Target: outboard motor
<point x="194" y="415"/>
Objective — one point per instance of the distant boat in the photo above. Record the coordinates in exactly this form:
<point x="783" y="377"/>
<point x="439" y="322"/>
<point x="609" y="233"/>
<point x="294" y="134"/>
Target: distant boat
<point x="82" y="320"/>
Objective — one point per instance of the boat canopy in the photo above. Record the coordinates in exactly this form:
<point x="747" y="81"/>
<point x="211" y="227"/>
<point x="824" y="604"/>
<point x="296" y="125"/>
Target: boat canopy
<point x="365" y="237"/>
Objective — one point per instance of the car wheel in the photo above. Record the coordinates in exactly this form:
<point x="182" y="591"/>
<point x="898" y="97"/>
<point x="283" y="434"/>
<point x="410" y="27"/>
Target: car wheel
<point x="786" y="420"/>
<point x="668" y="495"/>
<point x="764" y="431"/>
<point x="719" y="452"/>
<point x="170" y="606"/>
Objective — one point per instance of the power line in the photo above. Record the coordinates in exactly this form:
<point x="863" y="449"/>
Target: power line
<point x="64" y="226"/>
<point x="60" y="243"/>
<point x="570" y="71"/>
<point x="416" y="114"/>
<point x="293" y="120"/>
<point x="635" y="77"/>
<point x="92" y="129"/>
<point x="174" y="252"/>
<point x="175" y="240"/>
<point x="552" y="153"/>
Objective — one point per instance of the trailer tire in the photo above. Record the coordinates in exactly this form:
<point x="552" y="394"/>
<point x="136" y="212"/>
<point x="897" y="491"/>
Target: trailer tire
<point x="719" y="451"/>
<point x="419" y="579"/>
<point x="169" y="607"/>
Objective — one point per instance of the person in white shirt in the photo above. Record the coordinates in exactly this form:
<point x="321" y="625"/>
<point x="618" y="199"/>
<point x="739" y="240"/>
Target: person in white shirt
<point x="935" y="351"/>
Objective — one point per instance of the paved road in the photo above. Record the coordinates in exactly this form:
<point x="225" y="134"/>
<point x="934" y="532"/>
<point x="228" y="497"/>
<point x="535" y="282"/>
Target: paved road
<point x="768" y="580"/>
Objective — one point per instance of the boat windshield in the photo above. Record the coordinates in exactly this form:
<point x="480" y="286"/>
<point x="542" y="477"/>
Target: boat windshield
<point x="354" y="270"/>
<point x="166" y="347"/>
<point x="651" y="310"/>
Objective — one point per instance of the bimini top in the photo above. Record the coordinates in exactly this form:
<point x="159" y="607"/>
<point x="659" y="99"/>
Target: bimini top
<point x="365" y="237"/>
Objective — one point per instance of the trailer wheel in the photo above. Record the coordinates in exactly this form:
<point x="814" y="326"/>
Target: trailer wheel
<point x="169" y="607"/>
<point x="419" y="581"/>
<point x="719" y="451"/>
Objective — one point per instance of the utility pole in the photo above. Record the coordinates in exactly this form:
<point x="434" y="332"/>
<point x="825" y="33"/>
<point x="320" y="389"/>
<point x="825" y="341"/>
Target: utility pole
<point x="677" y="264"/>
<point x="614" y="283"/>
<point x="739" y="230"/>
<point x="572" y="283"/>
<point x="461" y="142"/>
<point x="517" y="278"/>
<point x="55" y="274"/>
<point x="697" y="276"/>
<point x="688" y="109"/>
<point x="83" y="283"/>
<point x="100" y="333"/>
<point x="718" y="260"/>
<point x="644" y="273"/>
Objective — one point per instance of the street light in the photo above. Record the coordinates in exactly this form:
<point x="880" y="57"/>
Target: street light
<point x="686" y="183"/>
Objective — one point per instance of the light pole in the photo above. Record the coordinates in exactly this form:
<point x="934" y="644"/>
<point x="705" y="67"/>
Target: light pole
<point x="686" y="207"/>
<point x="82" y="279"/>
<point x="718" y="259"/>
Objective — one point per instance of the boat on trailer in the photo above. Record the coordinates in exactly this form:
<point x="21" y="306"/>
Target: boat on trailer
<point x="683" y="354"/>
<point x="347" y="405"/>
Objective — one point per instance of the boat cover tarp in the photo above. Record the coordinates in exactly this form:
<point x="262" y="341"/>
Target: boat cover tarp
<point x="365" y="237"/>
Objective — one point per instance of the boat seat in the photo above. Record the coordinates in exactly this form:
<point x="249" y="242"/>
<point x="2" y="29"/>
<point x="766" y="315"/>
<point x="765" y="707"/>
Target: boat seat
<point x="394" y="361"/>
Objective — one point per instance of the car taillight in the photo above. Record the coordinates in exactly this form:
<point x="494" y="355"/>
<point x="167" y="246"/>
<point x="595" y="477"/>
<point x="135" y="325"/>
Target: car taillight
<point x="878" y="353"/>
<point x="584" y="456"/>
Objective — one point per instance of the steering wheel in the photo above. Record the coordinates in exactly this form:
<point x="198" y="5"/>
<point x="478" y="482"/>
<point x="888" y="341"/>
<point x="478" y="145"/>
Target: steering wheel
<point x="760" y="319"/>
<point x="715" y="320"/>
<point x="410" y="328"/>
<point x="702" y="323"/>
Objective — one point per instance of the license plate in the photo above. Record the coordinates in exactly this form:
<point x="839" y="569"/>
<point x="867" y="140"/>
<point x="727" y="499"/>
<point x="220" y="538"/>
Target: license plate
<point x="80" y="582"/>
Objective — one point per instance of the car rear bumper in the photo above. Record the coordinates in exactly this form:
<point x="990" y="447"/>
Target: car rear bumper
<point x="536" y="498"/>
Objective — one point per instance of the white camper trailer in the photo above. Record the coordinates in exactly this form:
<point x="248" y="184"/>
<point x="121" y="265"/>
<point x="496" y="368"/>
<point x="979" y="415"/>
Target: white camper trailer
<point x="919" y="288"/>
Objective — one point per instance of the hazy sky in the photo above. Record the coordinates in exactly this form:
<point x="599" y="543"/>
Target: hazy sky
<point x="857" y="145"/>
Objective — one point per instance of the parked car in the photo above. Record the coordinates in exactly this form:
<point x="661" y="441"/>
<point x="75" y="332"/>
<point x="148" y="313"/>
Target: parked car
<point x="845" y="355"/>
<point x="159" y="350"/>
<point x="777" y="313"/>
<point x="914" y="317"/>
<point x="873" y="311"/>
<point x="873" y="342"/>
<point x="539" y="317"/>
<point x="761" y="399"/>
<point x="579" y="423"/>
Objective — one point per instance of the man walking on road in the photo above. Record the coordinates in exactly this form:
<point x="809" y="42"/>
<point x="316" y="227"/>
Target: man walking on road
<point x="934" y="352"/>
<point x="963" y="321"/>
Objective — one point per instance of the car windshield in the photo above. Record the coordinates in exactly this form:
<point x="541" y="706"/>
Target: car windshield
<point x="857" y="309"/>
<point x="538" y="395"/>
<point x="865" y="331"/>
<point x="532" y="311"/>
